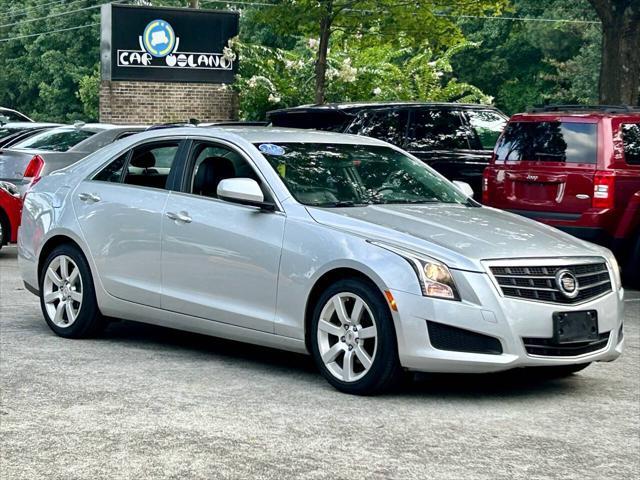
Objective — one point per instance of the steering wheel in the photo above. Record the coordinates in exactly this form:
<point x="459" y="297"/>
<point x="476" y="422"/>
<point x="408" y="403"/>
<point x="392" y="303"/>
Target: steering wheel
<point x="387" y="184"/>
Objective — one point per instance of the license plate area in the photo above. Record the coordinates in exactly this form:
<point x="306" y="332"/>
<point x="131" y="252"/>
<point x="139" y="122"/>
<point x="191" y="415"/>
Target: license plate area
<point x="575" y="327"/>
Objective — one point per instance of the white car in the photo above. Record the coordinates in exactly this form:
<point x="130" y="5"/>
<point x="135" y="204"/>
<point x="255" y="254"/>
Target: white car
<point x="340" y="246"/>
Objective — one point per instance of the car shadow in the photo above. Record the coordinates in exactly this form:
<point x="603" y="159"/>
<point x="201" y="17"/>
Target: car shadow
<point x="511" y="384"/>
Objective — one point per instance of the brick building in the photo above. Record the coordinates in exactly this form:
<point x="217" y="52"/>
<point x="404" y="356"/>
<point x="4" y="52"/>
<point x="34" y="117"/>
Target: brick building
<point x="126" y="102"/>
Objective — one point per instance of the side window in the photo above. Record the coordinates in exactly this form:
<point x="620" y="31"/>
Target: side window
<point x="112" y="172"/>
<point x="150" y="165"/>
<point x="631" y="143"/>
<point x="487" y="126"/>
<point x="213" y="163"/>
<point x="433" y="129"/>
<point x="387" y="125"/>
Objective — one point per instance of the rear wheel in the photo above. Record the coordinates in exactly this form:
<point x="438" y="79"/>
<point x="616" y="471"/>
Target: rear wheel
<point x="5" y="232"/>
<point x="353" y="339"/>
<point x="67" y="296"/>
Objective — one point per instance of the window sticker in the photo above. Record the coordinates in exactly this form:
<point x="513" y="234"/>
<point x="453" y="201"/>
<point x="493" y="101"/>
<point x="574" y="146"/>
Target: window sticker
<point x="282" y="170"/>
<point x="271" y="149"/>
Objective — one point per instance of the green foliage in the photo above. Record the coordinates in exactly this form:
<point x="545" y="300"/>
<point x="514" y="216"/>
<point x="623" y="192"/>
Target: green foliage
<point x="523" y="64"/>
<point x="41" y="74"/>
<point x="89" y="94"/>
<point x="272" y="78"/>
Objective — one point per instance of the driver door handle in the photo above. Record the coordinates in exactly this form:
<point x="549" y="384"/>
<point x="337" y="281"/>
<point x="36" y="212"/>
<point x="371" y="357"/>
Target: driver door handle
<point x="88" y="197"/>
<point x="181" y="217"/>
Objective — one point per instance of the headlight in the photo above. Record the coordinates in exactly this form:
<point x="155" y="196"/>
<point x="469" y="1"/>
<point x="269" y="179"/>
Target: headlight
<point x="434" y="276"/>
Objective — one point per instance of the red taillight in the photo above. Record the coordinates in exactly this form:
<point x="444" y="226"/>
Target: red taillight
<point x="34" y="169"/>
<point x="485" y="186"/>
<point x="603" y="190"/>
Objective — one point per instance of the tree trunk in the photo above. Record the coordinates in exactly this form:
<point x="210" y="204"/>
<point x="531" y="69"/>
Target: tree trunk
<point x="620" y="68"/>
<point x="194" y="3"/>
<point x="323" y="47"/>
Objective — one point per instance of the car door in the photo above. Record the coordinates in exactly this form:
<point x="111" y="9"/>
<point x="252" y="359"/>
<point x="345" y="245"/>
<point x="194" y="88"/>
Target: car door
<point x="440" y="138"/>
<point x="119" y="210"/>
<point x="220" y="260"/>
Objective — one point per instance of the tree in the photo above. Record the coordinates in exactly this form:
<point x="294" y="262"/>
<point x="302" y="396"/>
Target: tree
<point x="429" y="21"/>
<point x="271" y="78"/>
<point x="620" y="67"/>
<point x="527" y="63"/>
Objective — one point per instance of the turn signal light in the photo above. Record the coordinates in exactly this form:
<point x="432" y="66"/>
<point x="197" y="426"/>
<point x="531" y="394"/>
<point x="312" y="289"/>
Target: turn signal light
<point x="485" y="186"/>
<point x="603" y="190"/>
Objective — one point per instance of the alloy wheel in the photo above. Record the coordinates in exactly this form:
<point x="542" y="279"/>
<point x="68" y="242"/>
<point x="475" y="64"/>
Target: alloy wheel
<point x="347" y="337"/>
<point x="62" y="291"/>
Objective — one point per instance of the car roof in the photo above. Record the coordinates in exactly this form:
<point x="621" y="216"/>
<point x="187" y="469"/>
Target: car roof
<point x="266" y="135"/>
<point x="558" y="115"/>
<point x="99" y="127"/>
<point x="579" y="111"/>
<point x="29" y="125"/>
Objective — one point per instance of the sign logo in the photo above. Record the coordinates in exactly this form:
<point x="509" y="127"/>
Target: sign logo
<point x="159" y="39"/>
<point x="159" y="49"/>
<point x="567" y="283"/>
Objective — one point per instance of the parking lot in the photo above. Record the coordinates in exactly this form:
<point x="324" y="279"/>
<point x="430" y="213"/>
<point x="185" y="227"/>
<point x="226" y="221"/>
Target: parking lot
<point x="148" y="402"/>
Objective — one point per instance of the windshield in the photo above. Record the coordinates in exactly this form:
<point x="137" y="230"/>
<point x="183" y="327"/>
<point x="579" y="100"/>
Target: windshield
<point x="569" y="142"/>
<point x="351" y="175"/>
<point x="55" y="140"/>
<point x="5" y="132"/>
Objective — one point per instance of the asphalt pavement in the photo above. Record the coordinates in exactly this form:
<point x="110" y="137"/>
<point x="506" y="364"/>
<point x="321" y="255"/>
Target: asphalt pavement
<point x="147" y="402"/>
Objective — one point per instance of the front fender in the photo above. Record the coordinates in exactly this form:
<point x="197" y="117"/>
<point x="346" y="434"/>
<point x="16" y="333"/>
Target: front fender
<point x="310" y="250"/>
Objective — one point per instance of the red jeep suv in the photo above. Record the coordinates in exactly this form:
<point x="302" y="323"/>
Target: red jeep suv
<point x="576" y="168"/>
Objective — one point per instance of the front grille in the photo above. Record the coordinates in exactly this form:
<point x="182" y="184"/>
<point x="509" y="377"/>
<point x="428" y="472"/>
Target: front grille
<point x="539" y="283"/>
<point x="446" y="337"/>
<point x="547" y="347"/>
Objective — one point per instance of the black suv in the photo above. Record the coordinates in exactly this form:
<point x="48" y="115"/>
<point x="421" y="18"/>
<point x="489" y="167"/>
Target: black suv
<point x="456" y="139"/>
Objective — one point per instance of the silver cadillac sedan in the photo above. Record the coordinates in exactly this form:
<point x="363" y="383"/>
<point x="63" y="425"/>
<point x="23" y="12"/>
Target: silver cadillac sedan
<point x="340" y="246"/>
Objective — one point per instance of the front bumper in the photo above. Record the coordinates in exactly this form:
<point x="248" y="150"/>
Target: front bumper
<point x="485" y="311"/>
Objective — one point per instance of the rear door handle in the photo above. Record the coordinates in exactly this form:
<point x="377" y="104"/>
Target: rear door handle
<point x="181" y="217"/>
<point x="88" y="197"/>
<point x="582" y="196"/>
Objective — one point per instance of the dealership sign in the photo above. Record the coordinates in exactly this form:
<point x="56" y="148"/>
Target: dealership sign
<point x="167" y="44"/>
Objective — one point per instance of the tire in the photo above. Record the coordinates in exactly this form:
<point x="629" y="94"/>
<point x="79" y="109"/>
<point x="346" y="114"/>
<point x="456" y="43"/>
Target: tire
<point x="632" y="271"/>
<point x="371" y="361"/>
<point x="68" y="301"/>
<point x="5" y="231"/>
<point x="559" y="371"/>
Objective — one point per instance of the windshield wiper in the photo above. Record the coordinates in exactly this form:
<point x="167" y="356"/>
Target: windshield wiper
<point x="406" y="201"/>
<point x="342" y="203"/>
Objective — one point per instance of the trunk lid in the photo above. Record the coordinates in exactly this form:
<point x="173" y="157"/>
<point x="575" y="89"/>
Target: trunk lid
<point x="13" y="163"/>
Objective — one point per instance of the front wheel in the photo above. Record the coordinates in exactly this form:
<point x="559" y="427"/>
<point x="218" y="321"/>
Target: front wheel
<point x="353" y="339"/>
<point x="67" y="295"/>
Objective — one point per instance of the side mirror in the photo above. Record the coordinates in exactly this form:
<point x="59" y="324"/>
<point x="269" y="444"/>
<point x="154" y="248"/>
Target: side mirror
<point x="464" y="187"/>
<point x="245" y="191"/>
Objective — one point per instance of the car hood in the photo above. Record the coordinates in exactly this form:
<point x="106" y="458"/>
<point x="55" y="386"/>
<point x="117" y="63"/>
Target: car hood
<point x="458" y="235"/>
